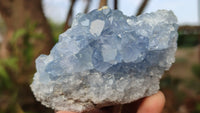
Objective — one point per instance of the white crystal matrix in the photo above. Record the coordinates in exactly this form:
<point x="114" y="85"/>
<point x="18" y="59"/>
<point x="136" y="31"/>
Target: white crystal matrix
<point x="106" y="58"/>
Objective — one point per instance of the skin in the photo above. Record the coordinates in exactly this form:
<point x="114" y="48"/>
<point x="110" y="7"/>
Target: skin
<point x="151" y="104"/>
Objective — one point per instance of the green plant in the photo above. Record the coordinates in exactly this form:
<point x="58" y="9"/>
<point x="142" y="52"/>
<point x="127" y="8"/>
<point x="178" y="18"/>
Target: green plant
<point x="57" y="29"/>
<point x="196" y="70"/>
<point x="197" y="108"/>
<point x="5" y="65"/>
<point x="189" y="40"/>
<point x="27" y="36"/>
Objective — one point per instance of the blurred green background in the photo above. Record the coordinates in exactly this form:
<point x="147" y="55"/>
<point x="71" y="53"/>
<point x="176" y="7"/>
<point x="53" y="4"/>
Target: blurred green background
<point x="27" y="30"/>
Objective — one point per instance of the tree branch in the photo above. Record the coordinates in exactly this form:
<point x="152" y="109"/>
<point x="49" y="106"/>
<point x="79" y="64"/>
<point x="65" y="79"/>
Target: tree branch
<point x="69" y="15"/>
<point x="102" y="3"/>
<point x="87" y="6"/>
<point x="115" y="4"/>
<point x="142" y="7"/>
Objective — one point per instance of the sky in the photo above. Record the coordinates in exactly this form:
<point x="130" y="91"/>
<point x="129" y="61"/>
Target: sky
<point x="185" y="10"/>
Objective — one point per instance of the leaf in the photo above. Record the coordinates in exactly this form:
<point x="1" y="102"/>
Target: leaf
<point x="11" y="62"/>
<point x="28" y="53"/>
<point x="19" y="33"/>
<point x="3" y="73"/>
<point x="198" y="107"/>
<point x="37" y="36"/>
<point x="4" y="78"/>
<point x="196" y="70"/>
<point x="19" y="109"/>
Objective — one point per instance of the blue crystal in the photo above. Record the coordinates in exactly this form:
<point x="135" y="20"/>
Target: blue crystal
<point x="106" y="57"/>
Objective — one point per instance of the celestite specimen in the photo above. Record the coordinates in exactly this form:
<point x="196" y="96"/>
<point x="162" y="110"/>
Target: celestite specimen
<point x="106" y="58"/>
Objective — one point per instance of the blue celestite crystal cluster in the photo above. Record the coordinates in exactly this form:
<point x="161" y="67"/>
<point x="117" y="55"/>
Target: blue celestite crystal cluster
<point x="106" y="58"/>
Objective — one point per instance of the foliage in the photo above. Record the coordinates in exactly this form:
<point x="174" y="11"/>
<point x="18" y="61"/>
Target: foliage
<point x="197" y="108"/>
<point x="27" y="35"/>
<point x="169" y="82"/>
<point x="172" y="83"/>
<point x="196" y="70"/>
<point x="2" y="26"/>
<point x="57" y="29"/>
<point x="13" y="73"/>
<point x="8" y="90"/>
<point x="11" y="64"/>
<point x="188" y="40"/>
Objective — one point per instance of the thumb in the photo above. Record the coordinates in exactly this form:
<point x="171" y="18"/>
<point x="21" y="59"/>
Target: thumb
<point x="152" y="104"/>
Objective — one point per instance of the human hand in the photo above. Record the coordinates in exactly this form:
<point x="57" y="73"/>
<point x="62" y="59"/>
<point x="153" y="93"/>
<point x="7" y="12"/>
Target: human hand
<point x="151" y="104"/>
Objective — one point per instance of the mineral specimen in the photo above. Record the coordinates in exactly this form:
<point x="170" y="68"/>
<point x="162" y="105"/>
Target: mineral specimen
<point x="106" y="58"/>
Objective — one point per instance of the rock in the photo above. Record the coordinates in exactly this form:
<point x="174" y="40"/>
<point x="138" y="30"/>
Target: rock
<point x="106" y="58"/>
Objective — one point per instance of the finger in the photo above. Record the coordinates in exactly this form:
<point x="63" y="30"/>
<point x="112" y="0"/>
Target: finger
<point x="65" y="112"/>
<point x="96" y="111"/>
<point x="92" y="111"/>
<point x="152" y="104"/>
<point x="102" y="110"/>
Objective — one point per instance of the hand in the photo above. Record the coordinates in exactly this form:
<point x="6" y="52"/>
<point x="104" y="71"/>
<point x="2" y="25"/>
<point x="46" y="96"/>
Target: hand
<point x="151" y="104"/>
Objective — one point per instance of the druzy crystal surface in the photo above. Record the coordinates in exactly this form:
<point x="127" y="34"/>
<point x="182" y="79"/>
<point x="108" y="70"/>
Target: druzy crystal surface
<point x="106" y="58"/>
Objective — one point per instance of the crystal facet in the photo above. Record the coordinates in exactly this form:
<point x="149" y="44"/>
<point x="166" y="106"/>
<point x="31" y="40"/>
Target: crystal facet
<point x="106" y="58"/>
